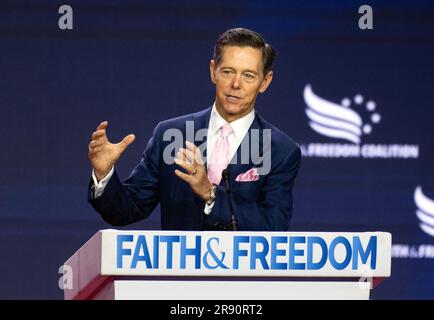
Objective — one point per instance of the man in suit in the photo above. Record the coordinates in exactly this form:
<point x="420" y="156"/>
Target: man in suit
<point x="261" y="160"/>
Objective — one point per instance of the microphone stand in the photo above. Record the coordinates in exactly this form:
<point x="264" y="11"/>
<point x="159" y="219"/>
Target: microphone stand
<point x="227" y="177"/>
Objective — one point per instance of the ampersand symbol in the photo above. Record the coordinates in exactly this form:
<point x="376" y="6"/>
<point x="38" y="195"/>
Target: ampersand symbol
<point x="210" y="251"/>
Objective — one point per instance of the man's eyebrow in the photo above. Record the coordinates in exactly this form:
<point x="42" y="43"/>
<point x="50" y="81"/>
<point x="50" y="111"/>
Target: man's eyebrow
<point x="251" y="71"/>
<point x="247" y="70"/>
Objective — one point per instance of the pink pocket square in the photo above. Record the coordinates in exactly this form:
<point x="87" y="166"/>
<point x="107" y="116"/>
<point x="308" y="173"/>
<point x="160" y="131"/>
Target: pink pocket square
<point x="249" y="175"/>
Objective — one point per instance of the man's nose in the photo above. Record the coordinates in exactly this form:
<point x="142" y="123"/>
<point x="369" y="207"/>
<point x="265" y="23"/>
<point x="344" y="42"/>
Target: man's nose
<point x="236" y="82"/>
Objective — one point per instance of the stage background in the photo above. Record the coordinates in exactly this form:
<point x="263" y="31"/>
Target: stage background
<point x="135" y="63"/>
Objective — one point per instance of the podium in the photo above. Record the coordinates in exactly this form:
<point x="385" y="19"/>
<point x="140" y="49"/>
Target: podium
<point x="188" y="265"/>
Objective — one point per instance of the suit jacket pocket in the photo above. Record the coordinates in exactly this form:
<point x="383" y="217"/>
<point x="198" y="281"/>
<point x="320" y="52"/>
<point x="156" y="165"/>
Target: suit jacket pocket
<point x="246" y="190"/>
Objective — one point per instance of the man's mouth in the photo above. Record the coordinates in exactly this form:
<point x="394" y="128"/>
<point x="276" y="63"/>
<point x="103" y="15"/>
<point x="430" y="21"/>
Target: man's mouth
<point x="232" y="98"/>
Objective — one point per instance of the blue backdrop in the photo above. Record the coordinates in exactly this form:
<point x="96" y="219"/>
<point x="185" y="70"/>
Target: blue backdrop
<point x="135" y="63"/>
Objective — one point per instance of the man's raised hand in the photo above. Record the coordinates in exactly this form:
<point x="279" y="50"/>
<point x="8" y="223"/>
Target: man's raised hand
<point x="191" y="161"/>
<point x="102" y="153"/>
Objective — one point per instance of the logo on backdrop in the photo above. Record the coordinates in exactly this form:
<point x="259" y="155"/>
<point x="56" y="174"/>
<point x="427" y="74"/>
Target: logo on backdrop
<point x="425" y="215"/>
<point x="339" y="120"/>
<point x="347" y="123"/>
<point x="424" y="211"/>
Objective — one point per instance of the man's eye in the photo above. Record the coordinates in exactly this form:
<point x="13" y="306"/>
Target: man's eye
<point x="249" y="76"/>
<point x="227" y="71"/>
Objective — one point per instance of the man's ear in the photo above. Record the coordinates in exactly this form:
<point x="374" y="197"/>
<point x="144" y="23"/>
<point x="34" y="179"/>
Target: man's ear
<point x="212" y="70"/>
<point x="266" y="82"/>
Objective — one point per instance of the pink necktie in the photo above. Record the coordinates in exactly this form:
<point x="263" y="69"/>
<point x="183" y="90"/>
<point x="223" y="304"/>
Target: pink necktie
<point x="220" y="156"/>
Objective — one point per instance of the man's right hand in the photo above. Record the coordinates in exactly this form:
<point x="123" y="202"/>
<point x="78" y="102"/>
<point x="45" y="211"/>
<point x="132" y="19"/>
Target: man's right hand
<point x="102" y="153"/>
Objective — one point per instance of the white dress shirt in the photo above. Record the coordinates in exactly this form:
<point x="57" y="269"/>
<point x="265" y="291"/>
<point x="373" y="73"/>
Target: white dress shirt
<point x="239" y="127"/>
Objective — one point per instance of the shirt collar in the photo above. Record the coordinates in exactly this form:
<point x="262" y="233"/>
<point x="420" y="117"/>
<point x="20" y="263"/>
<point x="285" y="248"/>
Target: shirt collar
<point x="240" y="126"/>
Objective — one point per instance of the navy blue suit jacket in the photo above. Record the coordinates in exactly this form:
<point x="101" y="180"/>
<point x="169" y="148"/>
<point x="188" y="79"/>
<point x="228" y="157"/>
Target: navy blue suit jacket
<point x="265" y="204"/>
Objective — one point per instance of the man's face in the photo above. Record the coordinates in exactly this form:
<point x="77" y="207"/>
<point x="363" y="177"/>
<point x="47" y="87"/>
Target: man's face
<point x="238" y="79"/>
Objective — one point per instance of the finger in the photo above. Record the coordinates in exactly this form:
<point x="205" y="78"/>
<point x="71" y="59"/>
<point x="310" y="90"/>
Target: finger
<point x="186" y="155"/>
<point x="102" y="138"/>
<point x="196" y="151"/>
<point x="180" y="155"/>
<point x="102" y="125"/>
<point x="193" y="148"/>
<point x="186" y="166"/>
<point x="129" y="139"/>
<point x="96" y="143"/>
<point x="183" y="164"/>
<point x="98" y="134"/>
<point x="183" y="176"/>
<point x="95" y="150"/>
<point x="190" y="146"/>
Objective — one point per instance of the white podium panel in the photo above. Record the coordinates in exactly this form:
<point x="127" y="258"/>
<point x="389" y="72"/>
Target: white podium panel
<point x="228" y="265"/>
<point x="233" y="290"/>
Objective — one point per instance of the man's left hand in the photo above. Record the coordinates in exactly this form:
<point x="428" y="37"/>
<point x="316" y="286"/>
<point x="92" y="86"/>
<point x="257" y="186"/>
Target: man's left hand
<point x="191" y="161"/>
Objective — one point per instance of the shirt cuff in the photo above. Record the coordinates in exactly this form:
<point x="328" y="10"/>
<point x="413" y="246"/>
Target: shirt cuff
<point x="98" y="187"/>
<point x="208" y="208"/>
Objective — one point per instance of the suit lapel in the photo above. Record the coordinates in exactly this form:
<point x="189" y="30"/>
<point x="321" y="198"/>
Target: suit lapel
<point x="243" y="159"/>
<point x="201" y="122"/>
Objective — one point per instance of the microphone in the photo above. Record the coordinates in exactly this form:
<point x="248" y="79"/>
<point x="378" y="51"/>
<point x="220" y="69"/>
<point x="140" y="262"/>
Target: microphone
<point x="227" y="177"/>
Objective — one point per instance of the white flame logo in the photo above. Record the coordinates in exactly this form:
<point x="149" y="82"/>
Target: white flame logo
<point x="337" y="120"/>
<point x="425" y="211"/>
